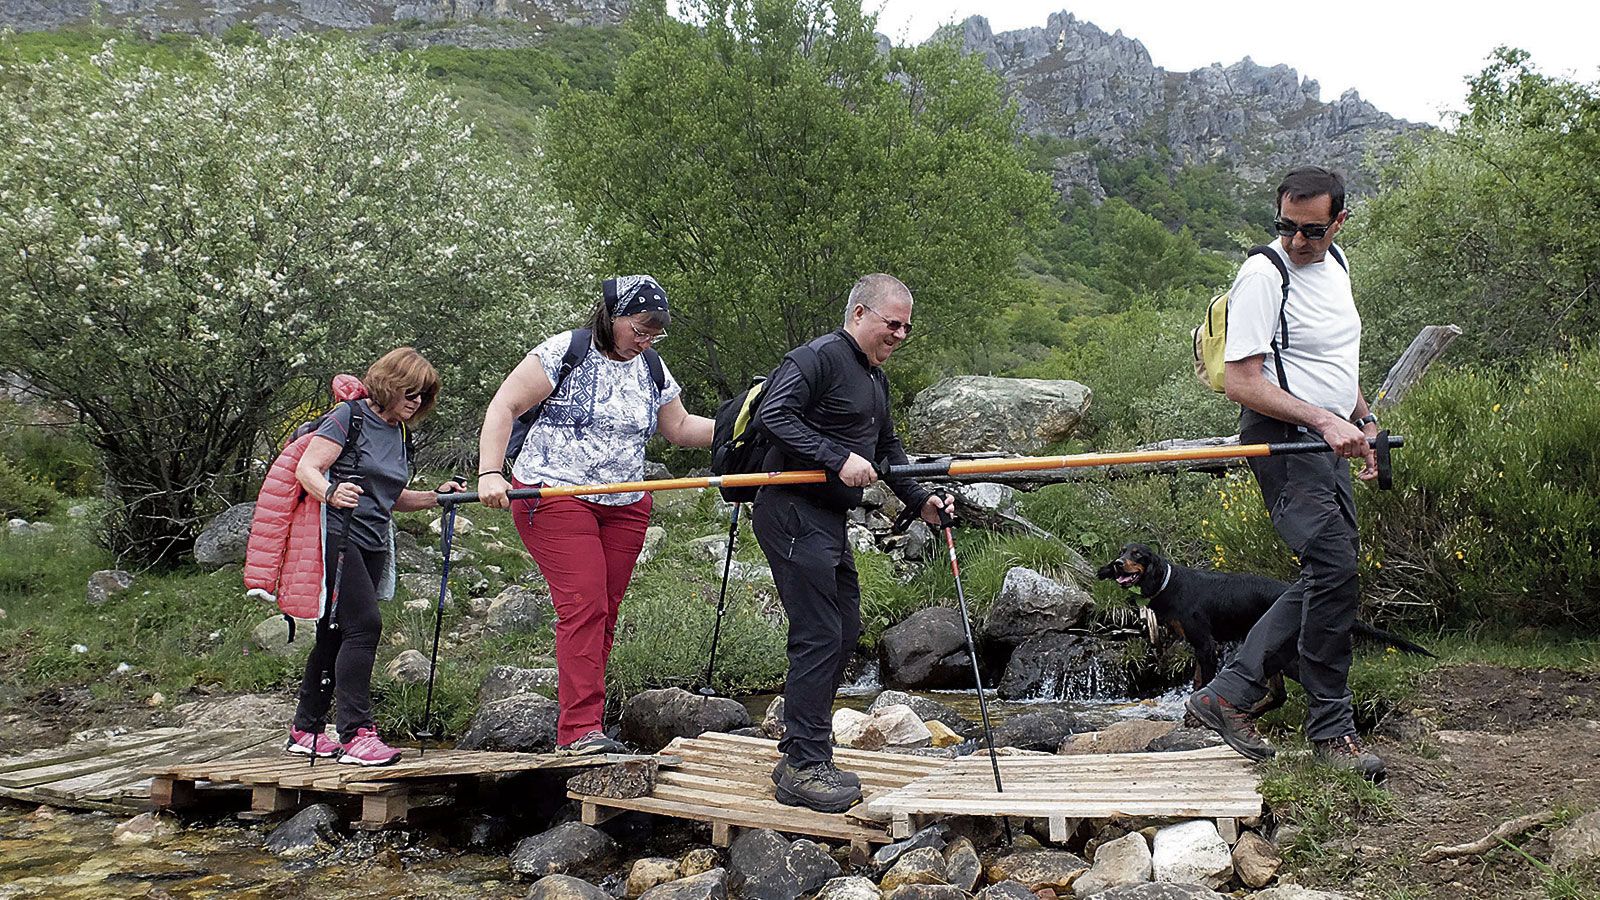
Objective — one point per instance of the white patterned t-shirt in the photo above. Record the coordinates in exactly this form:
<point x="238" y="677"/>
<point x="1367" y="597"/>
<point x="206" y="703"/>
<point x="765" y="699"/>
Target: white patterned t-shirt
<point x="593" y="429"/>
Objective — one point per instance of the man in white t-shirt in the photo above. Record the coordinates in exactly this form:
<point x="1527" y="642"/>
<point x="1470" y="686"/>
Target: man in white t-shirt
<point x="1292" y="364"/>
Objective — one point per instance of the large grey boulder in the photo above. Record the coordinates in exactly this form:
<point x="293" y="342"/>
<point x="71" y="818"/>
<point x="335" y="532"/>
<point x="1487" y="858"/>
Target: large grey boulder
<point x="315" y="826"/>
<point x="508" y="681"/>
<point x="936" y="836"/>
<point x="1030" y="604"/>
<point x="272" y="635"/>
<point x="921" y="866"/>
<point x="107" y="583"/>
<point x="926" y="708"/>
<point x="1053" y="869"/>
<point x="1192" y="853"/>
<point x="1123" y="861"/>
<point x="224" y="538"/>
<point x="563" y="850"/>
<point x="519" y="610"/>
<point x="850" y="888"/>
<point x="764" y="865"/>
<point x="650" y="720"/>
<point x="523" y="723"/>
<point x="978" y="413"/>
<point x="1043" y="730"/>
<point x="1063" y="667"/>
<point x="927" y="650"/>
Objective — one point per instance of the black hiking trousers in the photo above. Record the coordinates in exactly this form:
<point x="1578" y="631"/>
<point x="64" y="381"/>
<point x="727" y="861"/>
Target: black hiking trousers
<point x="345" y="655"/>
<point x="1313" y="509"/>
<point x="815" y="573"/>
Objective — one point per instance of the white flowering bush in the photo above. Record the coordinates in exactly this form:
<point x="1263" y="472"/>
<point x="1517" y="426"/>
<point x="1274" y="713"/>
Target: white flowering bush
<point x="187" y="257"/>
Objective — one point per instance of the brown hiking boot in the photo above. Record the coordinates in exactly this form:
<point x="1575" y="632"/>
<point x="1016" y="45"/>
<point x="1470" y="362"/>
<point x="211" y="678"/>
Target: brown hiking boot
<point x="1235" y="726"/>
<point x="820" y="786"/>
<point x="1347" y="753"/>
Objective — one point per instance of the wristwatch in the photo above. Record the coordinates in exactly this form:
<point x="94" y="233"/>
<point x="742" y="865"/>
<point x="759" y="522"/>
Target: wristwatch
<point x="1365" y="420"/>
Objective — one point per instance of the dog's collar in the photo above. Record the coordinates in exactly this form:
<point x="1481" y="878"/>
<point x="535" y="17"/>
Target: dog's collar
<point x="1165" y="580"/>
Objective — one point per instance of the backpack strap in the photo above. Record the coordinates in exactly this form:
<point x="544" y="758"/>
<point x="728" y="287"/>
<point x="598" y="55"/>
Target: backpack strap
<point x="1338" y="256"/>
<point x="1278" y="343"/>
<point x="352" y="440"/>
<point x="658" y="371"/>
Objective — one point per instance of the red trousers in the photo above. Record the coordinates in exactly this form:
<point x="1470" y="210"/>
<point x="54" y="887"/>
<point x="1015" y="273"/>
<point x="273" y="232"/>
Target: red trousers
<point x="586" y="552"/>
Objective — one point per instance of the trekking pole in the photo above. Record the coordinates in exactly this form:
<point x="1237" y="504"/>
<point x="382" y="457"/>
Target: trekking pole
<point x="947" y="523"/>
<point x="324" y="680"/>
<point x="447" y="532"/>
<point x="716" y="631"/>
<point x="1382" y="444"/>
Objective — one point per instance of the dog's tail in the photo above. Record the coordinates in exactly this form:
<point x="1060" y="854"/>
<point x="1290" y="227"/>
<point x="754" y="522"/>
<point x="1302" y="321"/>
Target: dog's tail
<point x="1374" y="633"/>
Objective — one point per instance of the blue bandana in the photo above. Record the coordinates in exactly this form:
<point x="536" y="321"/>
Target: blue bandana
<point x="629" y="294"/>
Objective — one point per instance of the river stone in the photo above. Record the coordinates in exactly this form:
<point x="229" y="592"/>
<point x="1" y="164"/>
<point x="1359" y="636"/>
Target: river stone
<point x="1577" y="844"/>
<point x="764" y="865"/>
<point x="484" y="832"/>
<point x="272" y="635"/>
<point x="1255" y="860"/>
<point x="508" y="681"/>
<point x="524" y="723"/>
<point x="1161" y="892"/>
<point x="1192" y="853"/>
<point x="927" y="892"/>
<point x="1007" y="890"/>
<point x="921" y="866"/>
<point x="1043" y="730"/>
<point x="850" y="888"/>
<point x="654" y="537"/>
<point x="1030" y="604"/>
<point x="145" y="828"/>
<point x="518" y="610"/>
<point x="1053" y="869"/>
<point x="1131" y="736"/>
<point x="224" y="538"/>
<point x="317" y="824"/>
<point x="890" y="726"/>
<point x="565" y="849"/>
<point x="108" y="583"/>
<point x="1125" y="860"/>
<point x="926" y="708"/>
<point x="622" y="781"/>
<point x="1063" y="667"/>
<point x="698" y="860"/>
<point x="712" y="885"/>
<point x="565" y="887"/>
<point x="926" y="650"/>
<point x="978" y="413"/>
<point x="410" y="667"/>
<point x="772" y="722"/>
<point x="651" y="719"/>
<point x="962" y="867"/>
<point x="1185" y="739"/>
<point x="648" y="872"/>
<point x="936" y="836"/>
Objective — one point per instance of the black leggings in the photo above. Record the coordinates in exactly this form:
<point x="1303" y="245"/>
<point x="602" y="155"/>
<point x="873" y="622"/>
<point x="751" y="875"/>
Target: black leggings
<point x="340" y="665"/>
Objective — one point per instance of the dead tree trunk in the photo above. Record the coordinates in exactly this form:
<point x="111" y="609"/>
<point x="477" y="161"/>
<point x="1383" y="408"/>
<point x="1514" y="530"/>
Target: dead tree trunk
<point x="1409" y="368"/>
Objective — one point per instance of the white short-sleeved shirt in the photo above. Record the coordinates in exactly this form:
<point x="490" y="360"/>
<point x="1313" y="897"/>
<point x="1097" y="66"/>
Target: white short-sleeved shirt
<point x="1321" y="361"/>
<point x="593" y="429"/>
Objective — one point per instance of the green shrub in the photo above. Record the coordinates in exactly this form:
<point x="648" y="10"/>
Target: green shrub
<point x="20" y="495"/>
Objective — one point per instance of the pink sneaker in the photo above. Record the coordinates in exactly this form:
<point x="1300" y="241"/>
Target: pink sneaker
<point x="368" y="750"/>
<point x="306" y="743"/>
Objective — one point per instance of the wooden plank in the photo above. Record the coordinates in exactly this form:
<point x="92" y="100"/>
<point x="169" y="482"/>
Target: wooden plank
<point x="266" y="798"/>
<point x="1062" y="828"/>
<point x="721" y="834"/>
<point x="102" y="785"/>
<point x="1086" y="808"/>
<point x="777" y="817"/>
<point x="167" y="793"/>
<point x="595" y="815"/>
<point x="387" y="808"/>
<point x="31" y="777"/>
<point x="83" y="750"/>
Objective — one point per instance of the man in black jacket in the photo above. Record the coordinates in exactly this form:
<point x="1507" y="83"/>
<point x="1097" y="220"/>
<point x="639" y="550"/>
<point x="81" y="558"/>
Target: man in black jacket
<point x="827" y="406"/>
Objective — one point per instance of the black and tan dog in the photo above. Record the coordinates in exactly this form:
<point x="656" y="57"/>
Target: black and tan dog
<point x="1209" y="609"/>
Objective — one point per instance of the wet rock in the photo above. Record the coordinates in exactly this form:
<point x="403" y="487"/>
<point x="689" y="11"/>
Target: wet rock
<point x="518" y="610"/>
<point x="701" y="859"/>
<point x="272" y="635"/>
<point x="223" y="539"/>
<point x="936" y="836"/>
<point x="852" y="888"/>
<point x="622" y="781"/>
<point x="962" y="867"/>
<point x="1160" y="892"/>
<point x="650" y="720"/>
<point x="1043" y="730"/>
<point x="1007" y="890"/>
<point x="972" y="413"/>
<point x="410" y="667"/>
<point x="1123" y="861"/>
<point x="1192" y="853"/>
<point x="889" y="726"/>
<point x="1030" y="604"/>
<point x="145" y="828"/>
<point x="1185" y="739"/>
<point x="648" y="872"/>
<point x="712" y="885"/>
<point x="1578" y="844"/>
<point x="524" y="723"/>
<point x="926" y="708"/>
<point x="764" y="865"/>
<point x="1132" y="736"/>
<point x="563" y="850"/>
<point x="654" y="537"/>
<point x="107" y="583"/>
<point x="922" y="866"/>
<point x="565" y="887"/>
<point x="1255" y="860"/>
<point x="482" y="831"/>
<point x="315" y="826"/>
<point x="772" y="723"/>
<point x="942" y="736"/>
<point x="927" y="650"/>
<point x="926" y="892"/>
<point x="508" y="681"/>
<point x="1053" y="869"/>
<point x="1063" y="667"/>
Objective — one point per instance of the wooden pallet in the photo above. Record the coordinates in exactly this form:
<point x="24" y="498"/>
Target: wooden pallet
<point x="388" y="795"/>
<point x="1214" y="783"/>
<point x="113" y="775"/>
<point x="726" y="780"/>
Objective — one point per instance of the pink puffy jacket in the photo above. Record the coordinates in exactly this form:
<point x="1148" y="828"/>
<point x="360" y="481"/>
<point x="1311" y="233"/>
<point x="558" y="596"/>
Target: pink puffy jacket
<point x="283" y="560"/>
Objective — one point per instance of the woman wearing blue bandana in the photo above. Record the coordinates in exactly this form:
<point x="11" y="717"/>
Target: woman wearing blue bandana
<point x="598" y="402"/>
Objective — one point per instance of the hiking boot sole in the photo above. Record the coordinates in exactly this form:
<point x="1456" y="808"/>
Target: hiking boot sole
<point x="1214" y="720"/>
<point x="789" y="798"/>
<point x="302" y="750"/>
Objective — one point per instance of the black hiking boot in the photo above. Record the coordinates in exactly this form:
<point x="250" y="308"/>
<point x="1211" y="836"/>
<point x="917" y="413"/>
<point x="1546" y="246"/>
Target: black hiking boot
<point x="1235" y="726"/>
<point x="819" y="786"/>
<point x="782" y="767"/>
<point x="1348" y="753"/>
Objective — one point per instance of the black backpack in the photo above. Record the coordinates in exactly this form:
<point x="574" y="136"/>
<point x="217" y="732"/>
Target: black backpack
<point x="738" y="443"/>
<point x="577" y="349"/>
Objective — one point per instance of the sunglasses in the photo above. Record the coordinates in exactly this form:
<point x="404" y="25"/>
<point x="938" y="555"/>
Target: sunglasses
<point x="1315" y="232"/>
<point x="649" y="337"/>
<point x="415" y="395"/>
<point x="894" y="324"/>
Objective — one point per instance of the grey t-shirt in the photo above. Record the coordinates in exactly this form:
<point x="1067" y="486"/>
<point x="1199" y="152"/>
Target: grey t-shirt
<point x="381" y="467"/>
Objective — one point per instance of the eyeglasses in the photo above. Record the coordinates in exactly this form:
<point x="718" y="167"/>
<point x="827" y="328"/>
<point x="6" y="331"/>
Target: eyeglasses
<point x="415" y="395"/>
<point x="894" y="324"/>
<point x="1316" y="232"/>
<point x="649" y="337"/>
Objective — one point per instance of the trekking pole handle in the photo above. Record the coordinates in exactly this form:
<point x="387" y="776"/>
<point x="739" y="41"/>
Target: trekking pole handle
<point x="1384" y="439"/>
<point x="913" y="470"/>
<point x="455" y="497"/>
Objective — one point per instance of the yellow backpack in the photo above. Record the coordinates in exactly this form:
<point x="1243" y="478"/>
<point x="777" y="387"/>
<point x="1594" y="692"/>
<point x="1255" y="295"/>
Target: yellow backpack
<point x="1211" y="335"/>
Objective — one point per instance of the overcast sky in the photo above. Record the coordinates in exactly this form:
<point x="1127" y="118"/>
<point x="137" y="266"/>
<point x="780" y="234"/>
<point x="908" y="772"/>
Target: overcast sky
<point x="1410" y="59"/>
